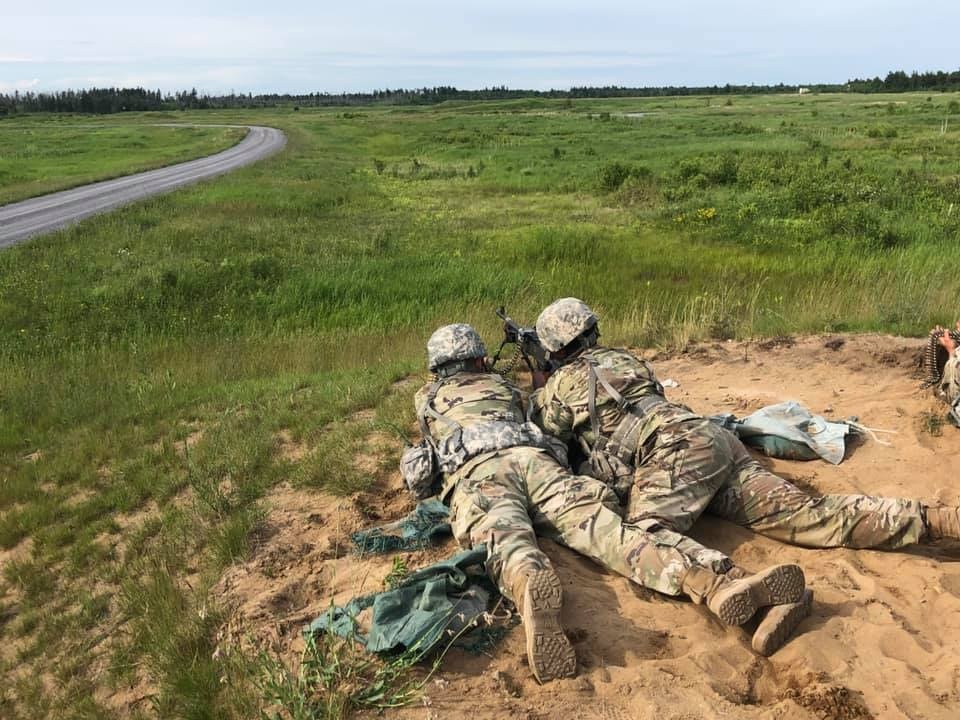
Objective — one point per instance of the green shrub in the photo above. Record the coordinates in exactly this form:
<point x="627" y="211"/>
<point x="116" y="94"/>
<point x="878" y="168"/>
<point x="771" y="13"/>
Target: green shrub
<point x="613" y="174"/>
<point x="882" y="131"/>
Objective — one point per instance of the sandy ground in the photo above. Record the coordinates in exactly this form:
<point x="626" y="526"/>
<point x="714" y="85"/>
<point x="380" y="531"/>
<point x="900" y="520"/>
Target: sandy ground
<point x="884" y="637"/>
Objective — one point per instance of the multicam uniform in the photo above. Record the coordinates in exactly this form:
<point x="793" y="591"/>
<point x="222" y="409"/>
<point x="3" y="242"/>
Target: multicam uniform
<point x="949" y="387"/>
<point x="682" y="464"/>
<point x="505" y="486"/>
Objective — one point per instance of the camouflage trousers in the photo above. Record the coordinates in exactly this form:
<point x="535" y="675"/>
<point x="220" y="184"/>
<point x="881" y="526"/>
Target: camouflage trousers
<point x="695" y="466"/>
<point x="508" y="497"/>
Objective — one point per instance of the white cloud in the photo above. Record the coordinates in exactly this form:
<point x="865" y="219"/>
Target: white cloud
<point x="296" y="45"/>
<point x="7" y="87"/>
<point x="503" y="60"/>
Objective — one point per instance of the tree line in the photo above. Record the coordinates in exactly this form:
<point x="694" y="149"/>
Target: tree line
<point x="899" y="81"/>
<point x="114" y="100"/>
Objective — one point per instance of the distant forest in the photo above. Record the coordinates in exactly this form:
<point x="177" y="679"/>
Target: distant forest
<point x="113" y="100"/>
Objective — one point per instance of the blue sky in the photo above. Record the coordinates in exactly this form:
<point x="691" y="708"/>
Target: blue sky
<point x="358" y="45"/>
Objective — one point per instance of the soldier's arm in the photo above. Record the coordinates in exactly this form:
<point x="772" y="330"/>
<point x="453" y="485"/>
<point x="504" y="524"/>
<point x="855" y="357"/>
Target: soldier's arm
<point x="547" y="411"/>
<point x="419" y="399"/>
<point x="419" y="403"/>
<point x="946" y="339"/>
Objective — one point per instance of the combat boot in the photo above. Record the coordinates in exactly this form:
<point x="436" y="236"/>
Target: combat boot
<point x="539" y="598"/>
<point x="778" y="624"/>
<point x="735" y="601"/>
<point x="942" y="522"/>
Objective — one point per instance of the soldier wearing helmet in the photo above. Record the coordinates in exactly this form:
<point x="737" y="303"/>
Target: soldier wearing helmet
<point x="947" y="387"/>
<point x="567" y="326"/>
<point x="672" y="464"/>
<point x="453" y="348"/>
<point x="505" y="482"/>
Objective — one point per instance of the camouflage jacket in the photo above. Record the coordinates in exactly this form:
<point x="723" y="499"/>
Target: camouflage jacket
<point x="949" y="388"/>
<point x="468" y="415"/>
<point x="561" y="407"/>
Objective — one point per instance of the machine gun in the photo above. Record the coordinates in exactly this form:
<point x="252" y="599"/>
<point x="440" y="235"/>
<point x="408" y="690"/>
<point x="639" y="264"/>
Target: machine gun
<point x="935" y="357"/>
<point x="527" y="345"/>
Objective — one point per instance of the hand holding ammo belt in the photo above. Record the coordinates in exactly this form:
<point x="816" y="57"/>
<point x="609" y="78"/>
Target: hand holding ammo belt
<point x="935" y="356"/>
<point x="940" y="369"/>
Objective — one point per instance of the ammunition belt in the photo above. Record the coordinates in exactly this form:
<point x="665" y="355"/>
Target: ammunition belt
<point x="935" y="357"/>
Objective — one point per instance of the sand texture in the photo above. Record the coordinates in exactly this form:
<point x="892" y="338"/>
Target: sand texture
<point x="883" y="640"/>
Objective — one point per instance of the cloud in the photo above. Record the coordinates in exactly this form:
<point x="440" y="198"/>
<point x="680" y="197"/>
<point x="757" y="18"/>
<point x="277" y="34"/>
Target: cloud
<point x="479" y="60"/>
<point x="16" y="59"/>
<point x="18" y="85"/>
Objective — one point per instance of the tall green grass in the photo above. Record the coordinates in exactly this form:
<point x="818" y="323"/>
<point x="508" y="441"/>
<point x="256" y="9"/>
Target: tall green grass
<point x="41" y="154"/>
<point x="291" y="294"/>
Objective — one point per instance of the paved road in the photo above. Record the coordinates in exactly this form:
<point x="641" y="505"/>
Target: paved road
<point x="22" y="220"/>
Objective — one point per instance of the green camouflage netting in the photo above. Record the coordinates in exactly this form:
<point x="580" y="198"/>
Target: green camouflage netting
<point x="429" y="609"/>
<point x="427" y="522"/>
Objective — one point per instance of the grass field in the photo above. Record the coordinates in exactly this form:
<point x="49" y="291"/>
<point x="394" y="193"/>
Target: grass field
<point x="150" y="359"/>
<point x="42" y="155"/>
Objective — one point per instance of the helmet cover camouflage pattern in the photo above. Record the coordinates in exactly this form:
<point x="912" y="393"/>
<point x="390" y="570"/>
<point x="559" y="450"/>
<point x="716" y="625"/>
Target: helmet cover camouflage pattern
<point x="453" y="342"/>
<point x="562" y="321"/>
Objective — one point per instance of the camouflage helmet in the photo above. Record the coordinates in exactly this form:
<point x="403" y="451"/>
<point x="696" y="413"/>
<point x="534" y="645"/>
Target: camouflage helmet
<point x="453" y="342"/>
<point x="563" y="321"/>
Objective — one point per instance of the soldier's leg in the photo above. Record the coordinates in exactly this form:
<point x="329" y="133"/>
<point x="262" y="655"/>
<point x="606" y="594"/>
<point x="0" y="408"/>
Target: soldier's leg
<point x="579" y="512"/>
<point x="489" y="505"/>
<point x="772" y="506"/>
<point x="576" y="511"/>
<point x="679" y="476"/>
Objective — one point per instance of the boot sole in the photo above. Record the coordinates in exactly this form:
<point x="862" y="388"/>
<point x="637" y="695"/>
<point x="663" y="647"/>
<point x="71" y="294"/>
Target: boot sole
<point x="549" y="651"/>
<point x="779" y="585"/>
<point x="779" y="624"/>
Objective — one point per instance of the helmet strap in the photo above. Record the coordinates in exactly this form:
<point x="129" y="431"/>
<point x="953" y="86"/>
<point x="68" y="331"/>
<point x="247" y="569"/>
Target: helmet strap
<point x="455" y="366"/>
<point x="589" y="338"/>
<point x="584" y="341"/>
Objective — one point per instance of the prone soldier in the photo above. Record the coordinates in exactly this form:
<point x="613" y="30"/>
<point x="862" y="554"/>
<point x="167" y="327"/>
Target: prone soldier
<point x="943" y="368"/>
<point x="673" y="464"/>
<point x="505" y="482"/>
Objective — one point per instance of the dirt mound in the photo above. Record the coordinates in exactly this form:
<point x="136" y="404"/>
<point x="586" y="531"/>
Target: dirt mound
<point x="881" y="641"/>
<point x="830" y="702"/>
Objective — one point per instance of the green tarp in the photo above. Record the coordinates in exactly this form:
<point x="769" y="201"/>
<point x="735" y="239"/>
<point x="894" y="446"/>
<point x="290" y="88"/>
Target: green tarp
<point x="428" y="609"/>
<point x="788" y="430"/>
<point x="429" y="521"/>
